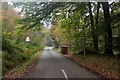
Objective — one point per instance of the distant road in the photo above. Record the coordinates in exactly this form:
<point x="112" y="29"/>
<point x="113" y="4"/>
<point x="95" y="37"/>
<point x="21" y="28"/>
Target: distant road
<point x="54" y="65"/>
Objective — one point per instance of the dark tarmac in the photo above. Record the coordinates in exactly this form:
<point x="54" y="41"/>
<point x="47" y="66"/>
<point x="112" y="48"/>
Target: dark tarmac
<point x="54" y="65"/>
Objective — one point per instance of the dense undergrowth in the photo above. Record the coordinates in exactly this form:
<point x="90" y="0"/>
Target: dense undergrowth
<point x="16" y="51"/>
<point x="15" y="55"/>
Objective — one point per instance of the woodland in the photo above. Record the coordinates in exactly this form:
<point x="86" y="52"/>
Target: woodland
<point x="90" y="29"/>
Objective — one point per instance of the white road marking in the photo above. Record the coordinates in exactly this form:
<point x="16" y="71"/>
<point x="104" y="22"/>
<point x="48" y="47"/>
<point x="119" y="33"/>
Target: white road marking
<point x="65" y="75"/>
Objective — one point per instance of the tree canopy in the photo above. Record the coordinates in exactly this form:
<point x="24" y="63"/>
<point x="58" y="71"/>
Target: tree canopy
<point x="86" y="27"/>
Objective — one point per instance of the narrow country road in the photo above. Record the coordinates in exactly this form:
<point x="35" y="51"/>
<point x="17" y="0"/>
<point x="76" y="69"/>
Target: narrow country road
<point x="54" y="65"/>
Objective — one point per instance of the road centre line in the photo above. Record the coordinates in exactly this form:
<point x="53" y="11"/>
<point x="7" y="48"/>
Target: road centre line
<point x="65" y="75"/>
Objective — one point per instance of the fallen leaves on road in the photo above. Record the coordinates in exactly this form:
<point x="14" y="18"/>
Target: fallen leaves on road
<point x="94" y="67"/>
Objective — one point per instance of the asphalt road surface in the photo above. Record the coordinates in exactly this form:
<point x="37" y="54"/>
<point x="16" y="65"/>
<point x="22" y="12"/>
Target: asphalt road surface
<point x="54" y="65"/>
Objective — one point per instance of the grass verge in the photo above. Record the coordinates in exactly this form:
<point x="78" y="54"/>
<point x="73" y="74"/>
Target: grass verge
<point x="56" y="50"/>
<point x="24" y="68"/>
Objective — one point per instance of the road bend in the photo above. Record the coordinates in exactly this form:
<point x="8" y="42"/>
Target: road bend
<point x="54" y="65"/>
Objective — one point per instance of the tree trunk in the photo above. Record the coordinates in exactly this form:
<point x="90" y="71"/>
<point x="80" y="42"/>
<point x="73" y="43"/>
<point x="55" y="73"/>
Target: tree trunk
<point x="108" y="30"/>
<point x="98" y="7"/>
<point x="97" y="16"/>
<point x="94" y="37"/>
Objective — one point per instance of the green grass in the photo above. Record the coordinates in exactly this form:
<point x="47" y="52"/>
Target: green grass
<point x="56" y="50"/>
<point x="27" y="63"/>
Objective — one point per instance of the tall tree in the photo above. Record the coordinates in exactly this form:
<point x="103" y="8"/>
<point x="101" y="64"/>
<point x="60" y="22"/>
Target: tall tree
<point x="97" y="16"/>
<point x="108" y="30"/>
<point x="95" y="39"/>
